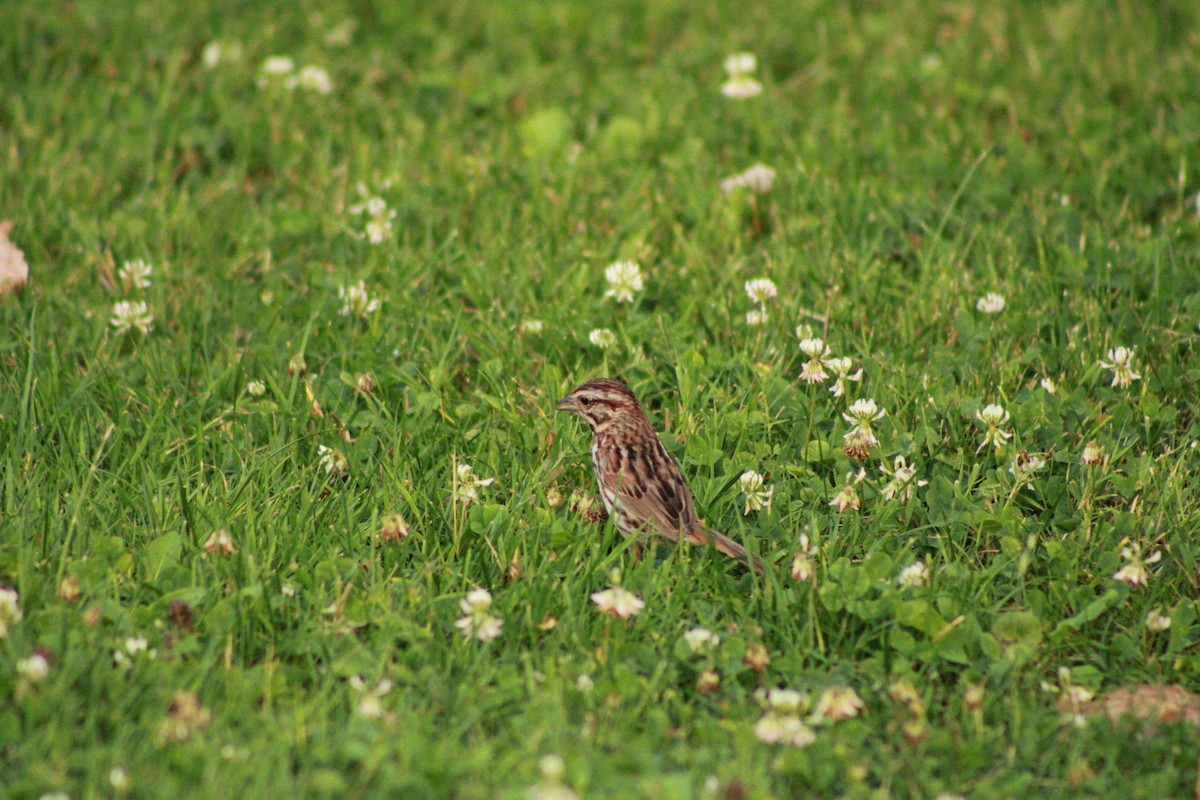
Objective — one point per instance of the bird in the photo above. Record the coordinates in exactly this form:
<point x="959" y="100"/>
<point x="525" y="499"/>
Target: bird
<point x="640" y="483"/>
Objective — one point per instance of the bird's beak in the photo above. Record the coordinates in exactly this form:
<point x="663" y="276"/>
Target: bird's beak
<point x="567" y="404"/>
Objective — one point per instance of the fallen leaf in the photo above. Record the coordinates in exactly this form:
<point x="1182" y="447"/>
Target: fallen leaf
<point x="14" y="271"/>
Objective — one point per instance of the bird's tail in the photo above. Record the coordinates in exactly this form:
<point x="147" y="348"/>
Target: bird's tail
<point x="730" y="548"/>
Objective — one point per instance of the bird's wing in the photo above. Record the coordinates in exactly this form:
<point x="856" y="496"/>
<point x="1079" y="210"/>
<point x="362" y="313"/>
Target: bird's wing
<point x="654" y="498"/>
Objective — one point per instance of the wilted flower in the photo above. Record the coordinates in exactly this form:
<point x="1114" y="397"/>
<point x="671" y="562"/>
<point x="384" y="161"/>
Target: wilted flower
<point x="708" y="681"/>
<point x="135" y="274"/>
<point x="478" y="622"/>
<point x="297" y="365"/>
<point x="1093" y="454"/>
<point x="760" y="290"/>
<point x="624" y="279"/>
<point x="333" y="461"/>
<point x="756" y="317"/>
<point x="814" y="368"/>
<point x="803" y="568"/>
<point x="740" y="85"/>
<point x="839" y="702"/>
<point x="991" y="303"/>
<point x="701" y="640"/>
<point x="756" y="658"/>
<point x="1134" y="571"/>
<point x="841" y="370"/>
<point x="901" y="486"/>
<point x="10" y="610"/>
<point x="393" y="528"/>
<point x="132" y="314"/>
<point x="364" y="383"/>
<point x="603" y="338"/>
<point x="618" y="602"/>
<point x="370" y="701"/>
<point x="184" y="718"/>
<point x="355" y="301"/>
<point x="219" y="542"/>
<point x="757" y="179"/>
<point x="915" y="574"/>
<point x="1025" y="464"/>
<point x="68" y="589"/>
<point x="1120" y="361"/>
<point x="1157" y="621"/>
<point x="467" y="486"/>
<point x="531" y="326"/>
<point x="993" y="416"/>
<point x="757" y="497"/>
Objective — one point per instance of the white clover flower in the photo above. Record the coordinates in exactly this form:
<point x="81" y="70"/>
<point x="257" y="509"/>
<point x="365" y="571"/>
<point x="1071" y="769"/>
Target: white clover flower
<point x="10" y="610"/>
<point x="618" y="602"/>
<point x="802" y="567"/>
<point x="757" y="498"/>
<point x="274" y="71"/>
<point x="901" y="486"/>
<point x="211" y="55"/>
<point x="219" y="542"/>
<point x="841" y="370"/>
<point x="915" y="574"/>
<point x="786" y="729"/>
<point x="756" y="317"/>
<point x="1093" y="454"/>
<point x="760" y="290"/>
<point x="993" y="416"/>
<point x="135" y="274"/>
<point x="991" y="303"/>
<point x="35" y="668"/>
<point x="624" y="280"/>
<point x="740" y="85"/>
<point x="814" y="368"/>
<point x="847" y="498"/>
<point x="136" y="644"/>
<point x="341" y="34"/>
<point x="256" y="388"/>
<point x="740" y="64"/>
<point x="785" y="701"/>
<point x="356" y="302"/>
<point x="1157" y="621"/>
<point x="1120" y="361"/>
<point x="277" y="65"/>
<point x="804" y="331"/>
<point x="333" y="461"/>
<point x="1025" y="464"/>
<point x="1134" y="571"/>
<point x="862" y="413"/>
<point x="478" y="622"/>
<point x="378" y="216"/>
<point x="839" y="702"/>
<point x="533" y="327"/>
<point x="313" y="79"/>
<point x="1049" y="386"/>
<point x="758" y="179"/>
<point x="370" y="700"/>
<point x="132" y="314"/>
<point x="584" y="683"/>
<point x="467" y="485"/>
<point x="603" y="338"/>
<point x="701" y="640"/>
<point x="118" y="779"/>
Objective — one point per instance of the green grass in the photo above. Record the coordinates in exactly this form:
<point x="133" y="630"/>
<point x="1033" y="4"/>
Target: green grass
<point x="926" y="154"/>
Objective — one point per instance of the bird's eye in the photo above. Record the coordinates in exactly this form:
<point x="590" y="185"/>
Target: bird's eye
<point x="585" y="402"/>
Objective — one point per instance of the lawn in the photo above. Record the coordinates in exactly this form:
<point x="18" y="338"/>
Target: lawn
<point x="307" y="279"/>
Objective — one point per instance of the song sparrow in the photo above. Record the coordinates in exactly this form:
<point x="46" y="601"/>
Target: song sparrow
<point x="641" y="485"/>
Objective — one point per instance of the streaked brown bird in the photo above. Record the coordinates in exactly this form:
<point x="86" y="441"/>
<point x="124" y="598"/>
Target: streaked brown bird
<point x="641" y="485"/>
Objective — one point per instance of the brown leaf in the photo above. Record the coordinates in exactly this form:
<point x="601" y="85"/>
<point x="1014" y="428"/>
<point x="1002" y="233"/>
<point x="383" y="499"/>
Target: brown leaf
<point x="14" y="271"/>
<point x="1149" y="703"/>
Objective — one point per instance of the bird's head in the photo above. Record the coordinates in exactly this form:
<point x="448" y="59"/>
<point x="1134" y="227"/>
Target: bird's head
<point x="600" y="401"/>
